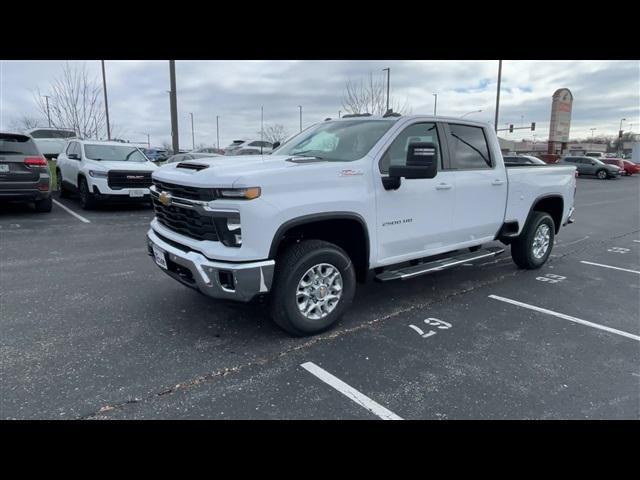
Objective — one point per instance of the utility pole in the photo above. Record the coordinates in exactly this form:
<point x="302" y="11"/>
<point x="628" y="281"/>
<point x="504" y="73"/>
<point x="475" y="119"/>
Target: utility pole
<point x="48" y="116"/>
<point x="498" y="93"/>
<point x="217" y="133"/>
<point x="148" y="141"/>
<point x="261" y="128"/>
<point x="388" y="83"/>
<point x="300" y="107"/>
<point x="106" y="104"/>
<point x="339" y="113"/>
<point x="435" y="104"/>
<point x="193" y="138"/>
<point x="174" y="108"/>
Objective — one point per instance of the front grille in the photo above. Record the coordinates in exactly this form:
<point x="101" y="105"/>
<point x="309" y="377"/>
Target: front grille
<point x="186" y="221"/>
<point x="182" y="191"/>
<point x="118" y="179"/>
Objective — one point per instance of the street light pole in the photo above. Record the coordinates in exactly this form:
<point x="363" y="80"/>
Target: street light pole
<point x="592" y="130"/>
<point x="106" y="104"/>
<point x="217" y="133"/>
<point x="620" y="135"/>
<point x="174" y="108"/>
<point x="48" y="116"/>
<point x="339" y="113"/>
<point x="193" y="138"/>
<point x="469" y="113"/>
<point x="388" y="84"/>
<point x="261" y="128"/>
<point x="435" y="103"/>
<point x="300" y="107"/>
<point x="498" y="93"/>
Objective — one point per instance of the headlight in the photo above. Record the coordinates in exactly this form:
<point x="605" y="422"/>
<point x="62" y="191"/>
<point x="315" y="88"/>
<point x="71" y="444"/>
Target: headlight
<point x="241" y="193"/>
<point x="97" y="174"/>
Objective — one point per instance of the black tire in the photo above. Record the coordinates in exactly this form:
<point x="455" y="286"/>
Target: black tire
<point x="291" y="266"/>
<point x="44" y="206"/>
<point x="602" y="174"/>
<point x="522" y="247"/>
<point x="87" y="200"/>
<point x="60" y="187"/>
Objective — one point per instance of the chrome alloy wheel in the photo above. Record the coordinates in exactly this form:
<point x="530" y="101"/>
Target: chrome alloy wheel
<point x="319" y="291"/>
<point x="541" y="240"/>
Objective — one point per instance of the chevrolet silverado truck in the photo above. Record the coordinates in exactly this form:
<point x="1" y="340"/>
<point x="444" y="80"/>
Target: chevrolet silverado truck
<point x="348" y="200"/>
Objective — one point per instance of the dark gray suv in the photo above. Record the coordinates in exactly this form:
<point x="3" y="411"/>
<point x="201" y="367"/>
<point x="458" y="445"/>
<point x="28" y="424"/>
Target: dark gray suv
<point x="24" y="172"/>
<point x="592" y="166"/>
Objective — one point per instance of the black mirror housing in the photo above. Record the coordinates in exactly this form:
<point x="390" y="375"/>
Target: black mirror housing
<point x="421" y="162"/>
<point x="275" y="145"/>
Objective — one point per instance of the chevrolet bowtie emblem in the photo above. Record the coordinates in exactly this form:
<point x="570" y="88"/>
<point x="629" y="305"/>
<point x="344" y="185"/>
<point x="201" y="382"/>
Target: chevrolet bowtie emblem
<point x="165" y="198"/>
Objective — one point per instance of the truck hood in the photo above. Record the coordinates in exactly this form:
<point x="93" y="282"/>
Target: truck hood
<point x="225" y="171"/>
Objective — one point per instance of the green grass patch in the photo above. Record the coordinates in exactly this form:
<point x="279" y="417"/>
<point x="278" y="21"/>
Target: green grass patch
<point x="54" y="179"/>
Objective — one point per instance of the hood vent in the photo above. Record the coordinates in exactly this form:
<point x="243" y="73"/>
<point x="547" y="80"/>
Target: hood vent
<point x="305" y="160"/>
<point x="192" y="166"/>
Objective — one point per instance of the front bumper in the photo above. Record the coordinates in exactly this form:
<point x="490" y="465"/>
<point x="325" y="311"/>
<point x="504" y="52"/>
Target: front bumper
<point x="224" y="280"/>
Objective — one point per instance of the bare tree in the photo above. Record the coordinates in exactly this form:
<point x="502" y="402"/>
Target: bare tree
<point x="25" y="122"/>
<point x="75" y="102"/>
<point x="275" y="133"/>
<point x="371" y="97"/>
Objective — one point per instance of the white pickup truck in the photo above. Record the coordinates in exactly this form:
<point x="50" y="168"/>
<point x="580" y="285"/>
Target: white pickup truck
<point x="349" y="199"/>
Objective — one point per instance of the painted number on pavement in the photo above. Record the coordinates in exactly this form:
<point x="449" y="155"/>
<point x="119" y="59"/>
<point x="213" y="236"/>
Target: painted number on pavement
<point x="431" y="322"/>
<point x="551" y="278"/>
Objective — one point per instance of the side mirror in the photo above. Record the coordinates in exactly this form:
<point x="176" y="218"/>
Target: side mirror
<point x="275" y="145"/>
<point x="73" y="156"/>
<point x="421" y="163"/>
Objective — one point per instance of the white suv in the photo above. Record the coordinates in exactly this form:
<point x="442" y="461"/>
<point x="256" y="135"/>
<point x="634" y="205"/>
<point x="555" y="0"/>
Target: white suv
<point x="103" y="171"/>
<point x="248" y="147"/>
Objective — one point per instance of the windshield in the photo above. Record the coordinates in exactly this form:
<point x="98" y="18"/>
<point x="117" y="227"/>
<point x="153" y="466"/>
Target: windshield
<point x="114" y="153"/>
<point x="340" y="141"/>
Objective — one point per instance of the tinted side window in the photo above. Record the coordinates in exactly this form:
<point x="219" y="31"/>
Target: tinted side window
<point x="469" y="149"/>
<point x="396" y="154"/>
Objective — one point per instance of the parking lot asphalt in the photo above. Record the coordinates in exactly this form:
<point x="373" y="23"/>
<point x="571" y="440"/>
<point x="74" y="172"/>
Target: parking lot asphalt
<point x="91" y="328"/>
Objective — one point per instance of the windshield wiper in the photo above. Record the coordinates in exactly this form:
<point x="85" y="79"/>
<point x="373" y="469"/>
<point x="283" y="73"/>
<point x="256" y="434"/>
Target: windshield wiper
<point x="304" y="152"/>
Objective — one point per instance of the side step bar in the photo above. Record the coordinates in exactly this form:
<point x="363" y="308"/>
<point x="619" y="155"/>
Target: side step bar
<point x="437" y="265"/>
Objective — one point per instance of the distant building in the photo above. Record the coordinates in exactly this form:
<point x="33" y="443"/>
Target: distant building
<point x="538" y="148"/>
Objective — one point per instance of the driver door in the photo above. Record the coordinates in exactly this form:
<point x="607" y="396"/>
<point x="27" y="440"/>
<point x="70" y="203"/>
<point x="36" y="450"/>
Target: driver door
<point x="416" y="219"/>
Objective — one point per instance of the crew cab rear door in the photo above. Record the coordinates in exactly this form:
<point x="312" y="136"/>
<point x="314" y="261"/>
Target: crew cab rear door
<point x="481" y="182"/>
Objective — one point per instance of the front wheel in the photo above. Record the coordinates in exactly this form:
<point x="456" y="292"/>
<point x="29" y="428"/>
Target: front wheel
<point x="602" y="174"/>
<point x="533" y="246"/>
<point x="314" y="284"/>
<point x="87" y="200"/>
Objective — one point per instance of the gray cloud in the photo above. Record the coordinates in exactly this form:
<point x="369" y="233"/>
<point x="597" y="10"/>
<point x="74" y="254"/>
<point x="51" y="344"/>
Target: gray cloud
<point x="604" y="92"/>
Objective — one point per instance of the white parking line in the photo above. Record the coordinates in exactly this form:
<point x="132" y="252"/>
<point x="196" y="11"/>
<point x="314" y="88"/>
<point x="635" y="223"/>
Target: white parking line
<point x="350" y="392"/>
<point x="609" y="266"/>
<point x="567" y="317"/>
<point x="637" y="241"/>
<point x="79" y="217"/>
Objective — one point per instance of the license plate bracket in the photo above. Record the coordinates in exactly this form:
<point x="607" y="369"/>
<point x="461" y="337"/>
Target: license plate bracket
<point x="160" y="257"/>
<point x="137" y="193"/>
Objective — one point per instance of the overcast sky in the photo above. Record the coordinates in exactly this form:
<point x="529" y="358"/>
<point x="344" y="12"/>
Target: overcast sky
<point x="604" y="92"/>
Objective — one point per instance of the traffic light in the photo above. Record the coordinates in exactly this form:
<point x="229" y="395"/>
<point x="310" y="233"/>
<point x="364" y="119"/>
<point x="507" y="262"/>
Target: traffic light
<point x="511" y="128"/>
<point x="533" y="126"/>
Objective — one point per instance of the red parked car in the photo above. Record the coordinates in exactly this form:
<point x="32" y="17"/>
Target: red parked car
<point x="627" y="166"/>
<point x="630" y="168"/>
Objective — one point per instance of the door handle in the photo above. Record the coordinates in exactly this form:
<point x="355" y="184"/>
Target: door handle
<point x="443" y="186"/>
<point x="497" y="182"/>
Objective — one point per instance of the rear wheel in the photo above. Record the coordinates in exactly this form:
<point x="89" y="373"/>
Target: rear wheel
<point x="533" y="246"/>
<point x="87" y="200"/>
<point x="44" y="206"/>
<point x="601" y="174"/>
<point x="314" y="284"/>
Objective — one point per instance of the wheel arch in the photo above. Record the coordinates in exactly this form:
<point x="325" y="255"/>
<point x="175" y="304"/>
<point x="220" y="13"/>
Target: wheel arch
<point x="348" y="230"/>
<point x="553" y="204"/>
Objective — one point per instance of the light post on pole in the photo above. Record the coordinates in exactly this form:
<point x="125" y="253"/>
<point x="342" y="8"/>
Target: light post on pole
<point x="217" y="133"/>
<point x="106" y="104"/>
<point x="592" y="130"/>
<point x="498" y="94"/>
<point x="435" y="103"/>
<point x="46" y="97"/>
<point x="175" y="138"/>
<point x="469" y="113"/>
<point x="300" y="107"/>
<point x="261" y="128"/>
<point x="388" y="70"/>
<point x="339" y="113"/>
<point x="193" y="137"/>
